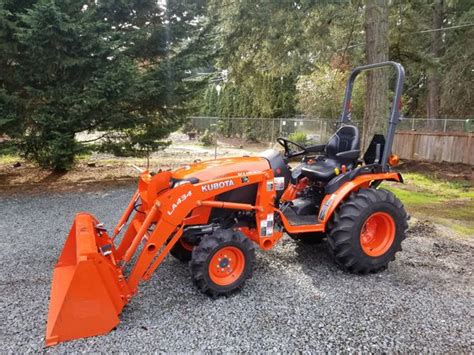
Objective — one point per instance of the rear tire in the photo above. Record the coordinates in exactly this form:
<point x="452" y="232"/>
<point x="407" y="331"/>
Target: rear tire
<point x="222" y="262"/>
<point x="367" y="230"/>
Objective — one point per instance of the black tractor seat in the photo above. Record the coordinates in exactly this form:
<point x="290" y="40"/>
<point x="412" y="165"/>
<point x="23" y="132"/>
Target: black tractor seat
<point x="343" y="148"/>
<point x="320" y="171"/>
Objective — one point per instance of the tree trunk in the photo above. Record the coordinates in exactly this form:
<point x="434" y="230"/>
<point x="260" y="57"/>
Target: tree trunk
<point x="433" y="75"/>
<point x="376" y="50"/>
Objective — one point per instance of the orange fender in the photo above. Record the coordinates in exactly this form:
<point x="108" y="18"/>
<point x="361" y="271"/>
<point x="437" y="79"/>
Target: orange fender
<point x="332" y="201"/>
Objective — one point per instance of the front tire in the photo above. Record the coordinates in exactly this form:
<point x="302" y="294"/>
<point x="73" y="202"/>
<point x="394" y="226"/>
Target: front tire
<point x="222" y="262"/>
<point x="367" y="231"/>
<point x="182" y="250"/>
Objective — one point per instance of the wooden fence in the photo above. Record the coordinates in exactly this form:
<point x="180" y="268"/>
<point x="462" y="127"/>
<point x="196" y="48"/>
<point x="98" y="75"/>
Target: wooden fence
<point x="454" y="147"/>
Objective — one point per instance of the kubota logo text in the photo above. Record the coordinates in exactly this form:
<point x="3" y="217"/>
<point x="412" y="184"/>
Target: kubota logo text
<point x="217" y="185"/>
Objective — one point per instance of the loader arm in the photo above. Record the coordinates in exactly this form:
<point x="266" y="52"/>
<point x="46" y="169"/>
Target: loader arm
<point x="171" y="208"/>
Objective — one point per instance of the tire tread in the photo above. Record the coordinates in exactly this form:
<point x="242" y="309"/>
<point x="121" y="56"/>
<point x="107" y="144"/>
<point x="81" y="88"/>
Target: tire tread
<point x="341" y="237"/>
<point x="201" y="254"/>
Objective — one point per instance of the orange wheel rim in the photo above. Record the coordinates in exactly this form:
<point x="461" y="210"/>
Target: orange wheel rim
<point x="377" y="234"/>
<point x="226" y="266"/>
<point x="187" y="246"/>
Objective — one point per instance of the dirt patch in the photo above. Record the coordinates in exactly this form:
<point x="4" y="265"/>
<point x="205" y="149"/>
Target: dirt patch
<point x="431" y="246"/>
<point x="102" y="169"/>
<point x="30" y="179"/>
<point x="422" y="228"/>
<point x="443" y="248"/>
<point x="444" y="170"/>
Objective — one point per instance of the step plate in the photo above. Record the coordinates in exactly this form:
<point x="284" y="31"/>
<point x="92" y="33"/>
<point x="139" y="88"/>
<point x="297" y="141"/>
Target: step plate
<point x="299" y="220"/>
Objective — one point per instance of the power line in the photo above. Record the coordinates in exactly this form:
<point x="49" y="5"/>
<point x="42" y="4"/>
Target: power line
<point x="446" y="28"/>
<point x="424" y="31"/>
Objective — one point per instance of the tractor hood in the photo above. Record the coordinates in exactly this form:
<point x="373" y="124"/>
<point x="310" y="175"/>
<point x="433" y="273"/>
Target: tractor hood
<point x="218" y="168"/>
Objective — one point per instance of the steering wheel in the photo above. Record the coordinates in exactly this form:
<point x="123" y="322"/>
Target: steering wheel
<point x="288" y="152"/>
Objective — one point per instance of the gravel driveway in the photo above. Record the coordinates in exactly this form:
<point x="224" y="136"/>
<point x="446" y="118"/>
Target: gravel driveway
<point x="297" y="299"/>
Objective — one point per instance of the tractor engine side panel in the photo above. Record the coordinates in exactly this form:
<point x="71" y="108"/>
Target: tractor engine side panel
<point x="247" y="194"/>
<point x="219" y="168"/>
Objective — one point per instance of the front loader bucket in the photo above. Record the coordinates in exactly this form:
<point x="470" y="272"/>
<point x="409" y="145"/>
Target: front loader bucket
<point x="88" y="290"/>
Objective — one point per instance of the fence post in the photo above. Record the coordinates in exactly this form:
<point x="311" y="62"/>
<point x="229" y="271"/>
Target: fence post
<point x="444" y="127"/>
<point x="215" y="139"/>
<point x="468" y="157"/>
<point x="320" y="130"/>
<point x="273" y="131"/>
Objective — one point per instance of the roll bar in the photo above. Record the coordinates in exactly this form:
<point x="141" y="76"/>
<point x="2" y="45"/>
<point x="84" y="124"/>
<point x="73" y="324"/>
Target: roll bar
<point x="394" y="112"/>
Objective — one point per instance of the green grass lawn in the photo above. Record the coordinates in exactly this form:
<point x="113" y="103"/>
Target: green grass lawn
<point x="450" y="203"/>
<point x="9" y="158"/>
<point x="8" y="153"/>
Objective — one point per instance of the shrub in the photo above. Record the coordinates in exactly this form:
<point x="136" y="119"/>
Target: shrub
<point x="8" y="148"/>
<point x="299" y="137"/>
<point x="208" y="138"/>
<point x="50" y="150"/>
<point x="251" y="132"/>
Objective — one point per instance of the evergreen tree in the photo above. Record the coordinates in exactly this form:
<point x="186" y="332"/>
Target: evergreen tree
<point x="71" y="66"/>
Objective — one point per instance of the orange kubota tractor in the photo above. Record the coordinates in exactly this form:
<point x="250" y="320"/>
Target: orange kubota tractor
<point x="214" y="213"/>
